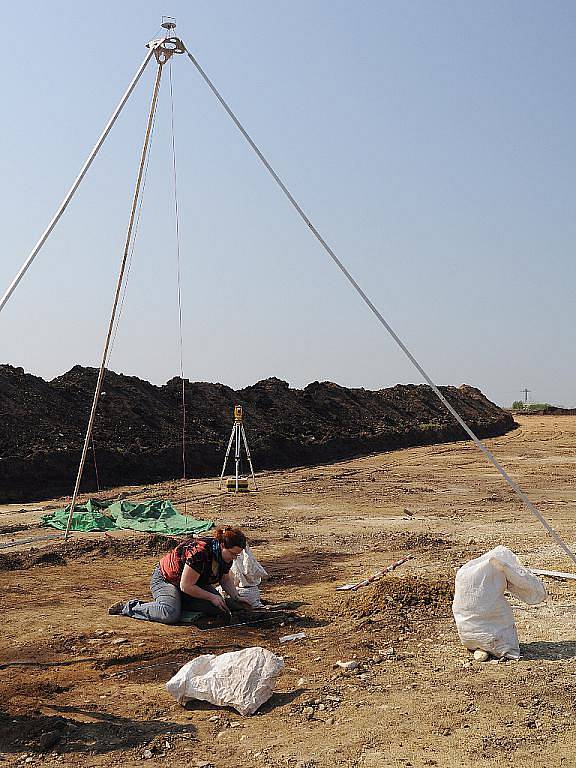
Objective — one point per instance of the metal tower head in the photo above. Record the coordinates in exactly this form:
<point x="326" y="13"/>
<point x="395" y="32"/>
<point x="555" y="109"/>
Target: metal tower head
<point x="165" y="47"/>
<point x="168" y="22"/>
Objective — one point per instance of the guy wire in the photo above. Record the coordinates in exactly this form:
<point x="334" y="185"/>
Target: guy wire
<point x="178" y="274"/>
<point x="376" y="312"/>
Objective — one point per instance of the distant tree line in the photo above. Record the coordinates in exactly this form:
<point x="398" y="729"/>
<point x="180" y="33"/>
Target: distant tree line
<point x="519" y="405"/>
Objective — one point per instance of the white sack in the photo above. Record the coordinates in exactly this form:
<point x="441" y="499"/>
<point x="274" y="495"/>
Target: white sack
<point x="483" y="616"/>
<point x="246" y="571"/>
<point x="240" y="679"/>
<point x="252" y="595"/>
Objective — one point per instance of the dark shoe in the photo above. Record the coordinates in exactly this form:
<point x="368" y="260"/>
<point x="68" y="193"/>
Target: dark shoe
<point x="116" y="609"/>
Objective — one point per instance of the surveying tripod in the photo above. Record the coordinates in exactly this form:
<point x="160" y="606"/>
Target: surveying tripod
<point x="238" y="437"/>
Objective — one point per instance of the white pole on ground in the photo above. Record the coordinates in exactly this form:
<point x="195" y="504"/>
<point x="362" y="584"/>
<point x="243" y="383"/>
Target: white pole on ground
<point x="76" y="184"/>
<point x="116" y="295"/>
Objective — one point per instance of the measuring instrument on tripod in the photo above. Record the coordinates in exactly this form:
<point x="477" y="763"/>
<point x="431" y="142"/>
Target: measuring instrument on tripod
<point x="238" y="438"/>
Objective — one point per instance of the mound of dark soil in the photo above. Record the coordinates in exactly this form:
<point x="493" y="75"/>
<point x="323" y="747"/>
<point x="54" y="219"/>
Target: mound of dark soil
<point x="137" y="432"/>
<point x="58" y="554"/>
<point x="415" y="541"/>
<point x="390" y="595"/>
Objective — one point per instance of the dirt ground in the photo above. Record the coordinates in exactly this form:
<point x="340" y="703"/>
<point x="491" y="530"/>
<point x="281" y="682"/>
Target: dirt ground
<point x="80" y="687"/>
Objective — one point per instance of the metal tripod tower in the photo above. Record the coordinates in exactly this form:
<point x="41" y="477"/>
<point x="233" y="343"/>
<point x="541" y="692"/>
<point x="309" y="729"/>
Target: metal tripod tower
<point x="238" y="436"/>
<point x="163" y="50"/>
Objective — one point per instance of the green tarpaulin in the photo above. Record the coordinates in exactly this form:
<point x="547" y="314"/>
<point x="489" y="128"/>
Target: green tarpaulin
<point x="151" y="516"/>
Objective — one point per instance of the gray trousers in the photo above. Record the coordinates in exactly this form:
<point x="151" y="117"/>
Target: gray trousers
<point x="168" y="603"/>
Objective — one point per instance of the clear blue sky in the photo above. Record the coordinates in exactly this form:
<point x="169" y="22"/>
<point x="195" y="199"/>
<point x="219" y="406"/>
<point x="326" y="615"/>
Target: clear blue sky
<point x="432" y="143"/>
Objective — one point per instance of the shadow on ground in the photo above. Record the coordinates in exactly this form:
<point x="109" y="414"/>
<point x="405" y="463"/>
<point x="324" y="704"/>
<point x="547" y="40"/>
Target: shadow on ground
<point x="103" y="733"/>
<point x="275" y="701"/>
<point x="548" y="650"/>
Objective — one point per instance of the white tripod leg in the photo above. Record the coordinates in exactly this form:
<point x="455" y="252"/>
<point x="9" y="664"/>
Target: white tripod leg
<point x="237" y="456"/>
<point x="226" y="458"/>
<point x="76" y="183"/>
<point x="249" y="457"/>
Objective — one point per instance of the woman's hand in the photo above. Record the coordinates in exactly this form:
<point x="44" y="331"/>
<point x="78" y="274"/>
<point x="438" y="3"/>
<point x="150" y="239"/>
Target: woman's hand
<point x="218" y="602"/>
<point x="229" y="587"/>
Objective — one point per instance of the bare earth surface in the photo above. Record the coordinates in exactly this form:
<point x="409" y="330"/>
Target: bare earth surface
<point x="79" y="687"/>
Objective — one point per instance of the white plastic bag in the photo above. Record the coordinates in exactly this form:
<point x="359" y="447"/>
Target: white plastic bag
<point x="246" y="571"/>
<point x="240" y="679"/>
<point x="483" y="616"/>
<point x="252" y="595"/>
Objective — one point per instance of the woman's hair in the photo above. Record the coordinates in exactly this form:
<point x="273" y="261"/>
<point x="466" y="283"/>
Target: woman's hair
<point x="229" y="537"/>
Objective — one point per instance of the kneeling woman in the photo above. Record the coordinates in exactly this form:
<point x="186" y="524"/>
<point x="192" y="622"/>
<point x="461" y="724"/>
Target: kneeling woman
<point x="183" y="580"/>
